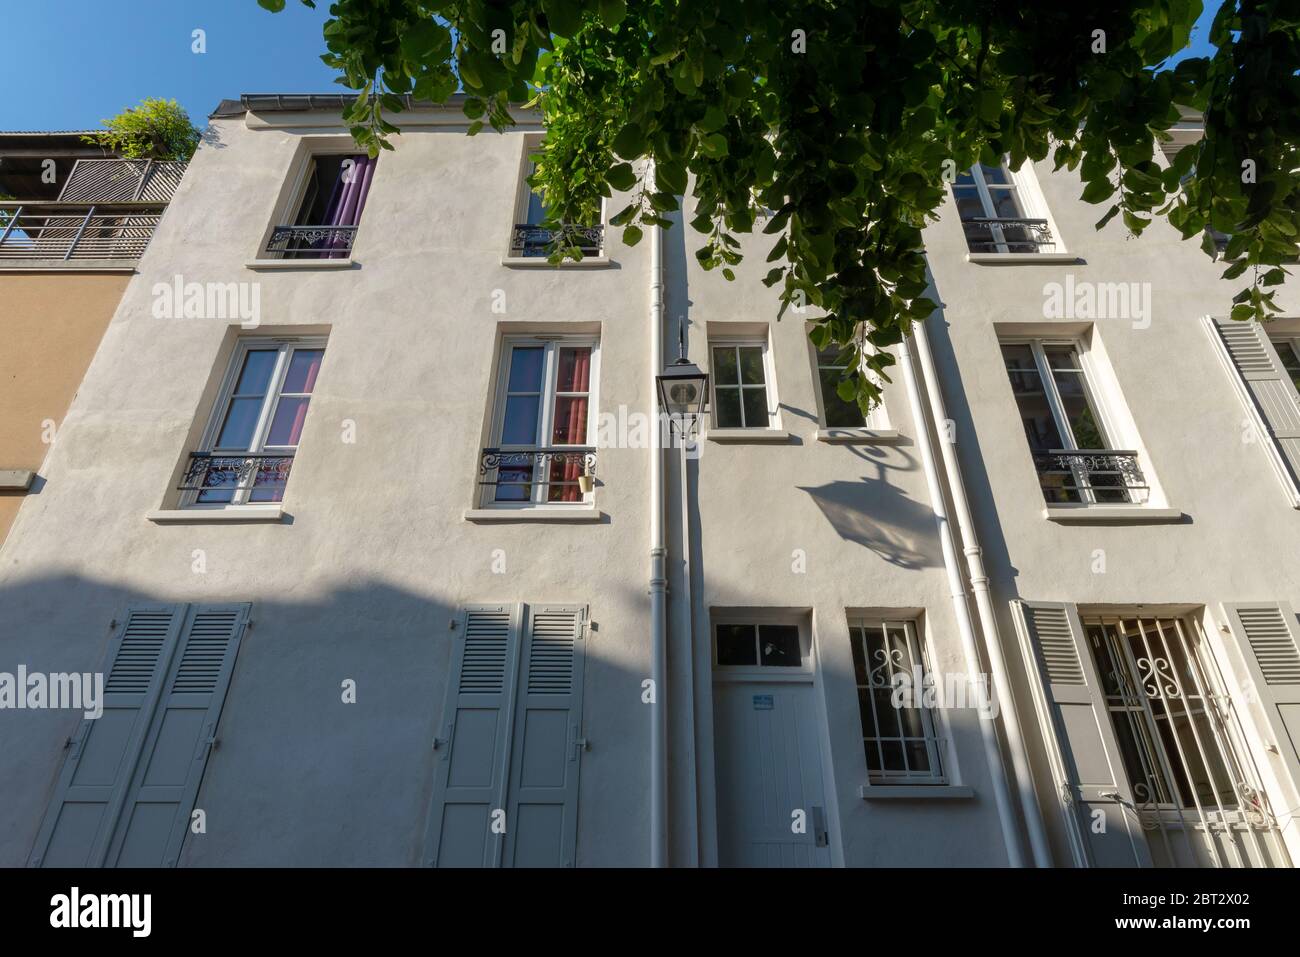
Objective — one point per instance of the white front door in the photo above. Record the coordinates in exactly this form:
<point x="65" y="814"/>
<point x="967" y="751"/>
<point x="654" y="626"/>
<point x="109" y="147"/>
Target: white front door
<point x="771" y="802"/>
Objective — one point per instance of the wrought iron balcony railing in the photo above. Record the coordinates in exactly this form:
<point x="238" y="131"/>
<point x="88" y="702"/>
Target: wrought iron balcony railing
<point x="265" y="473"/>
<point x="1014" y="235"/>
<point x="1091" y="476"/>
<point x="311" y="242"/>
<point x="65" y="232"/>
<point x="567" y="473"/>
<point x="527" y="240"/>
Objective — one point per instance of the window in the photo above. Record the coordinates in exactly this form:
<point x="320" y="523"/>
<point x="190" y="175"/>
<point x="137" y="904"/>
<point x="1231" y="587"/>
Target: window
<point x="249" y="446"/>
<point x="530" y="239"/>
<point x="1062" y="421"/>
<point x="544" y="415"/>
<point x="993" y="212"/>
<point x="769" y="646"/>
<point x="1162" y="703"/>
<point x="326" y="214"/>
<point x="1288" y="350"/>
<point x="899" y="733"/>
<point x="837" y="413"/>
<point x="740" y="392"/>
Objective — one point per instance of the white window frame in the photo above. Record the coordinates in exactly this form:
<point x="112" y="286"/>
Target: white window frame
<point x="285" y="347"/>
<point x="759" y="671"/>
<point x="876" y="421"/>
<point x="769" y="381"/>
<point x="1227" y="730"/>
<point x="523" y="194"/>
<point x="935" y="739"/>
<point x="1029" y="199"/>
<point x="301" y="171"/>
<point x="1105" y="420"/>
<point x="546" y="413"/>
<point x="1281" y="342"/>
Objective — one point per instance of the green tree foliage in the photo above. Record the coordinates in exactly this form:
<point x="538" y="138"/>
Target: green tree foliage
<point x="156" y="129"/>
<point x="845" y="119"/>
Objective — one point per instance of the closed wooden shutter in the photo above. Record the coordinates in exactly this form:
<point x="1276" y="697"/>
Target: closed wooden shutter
<point x="474" y="743"/>
<point x="1268" y="392"/>
<point x="156" y="814"/>
<point x="1267" y="636"/>
<point x="101" y="760"/>
<point x="1093" y="791"/>
<point x="547" y="745"/>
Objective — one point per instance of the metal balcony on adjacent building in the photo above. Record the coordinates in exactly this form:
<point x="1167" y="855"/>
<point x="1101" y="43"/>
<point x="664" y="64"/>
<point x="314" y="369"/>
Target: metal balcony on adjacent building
<point x="43" y="232"/>
<point x="1091" y="476"/>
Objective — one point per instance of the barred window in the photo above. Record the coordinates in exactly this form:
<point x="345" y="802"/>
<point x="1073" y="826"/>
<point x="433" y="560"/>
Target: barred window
<point x="899" y="733"/>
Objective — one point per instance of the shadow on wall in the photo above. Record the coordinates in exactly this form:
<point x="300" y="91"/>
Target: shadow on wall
<point x="300" y="777"/>
<point x="876" y="514"/>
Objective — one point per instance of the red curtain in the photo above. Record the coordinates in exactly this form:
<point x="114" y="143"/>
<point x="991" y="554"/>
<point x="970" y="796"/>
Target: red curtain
<point x="571" y="423"/>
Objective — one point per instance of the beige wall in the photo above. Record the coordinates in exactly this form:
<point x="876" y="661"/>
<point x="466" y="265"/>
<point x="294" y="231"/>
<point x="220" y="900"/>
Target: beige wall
<point x="51" y="326"/>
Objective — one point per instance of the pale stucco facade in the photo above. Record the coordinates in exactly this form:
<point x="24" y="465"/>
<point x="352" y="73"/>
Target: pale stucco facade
<point x="380" y="543"/>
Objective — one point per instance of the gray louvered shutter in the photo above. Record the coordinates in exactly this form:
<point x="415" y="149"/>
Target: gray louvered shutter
<point x="156" y="814"/>
<point x="1093" y="790"/>
<point x="1268" y="388"/>
<point x="474" y="741"/>
<point x="93" y="783"/>
<point x="1267" y="635"/>
<point x="542" y="816"/>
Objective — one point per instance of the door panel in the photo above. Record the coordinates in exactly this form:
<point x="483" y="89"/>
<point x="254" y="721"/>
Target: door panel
<point x="768" y="758"/>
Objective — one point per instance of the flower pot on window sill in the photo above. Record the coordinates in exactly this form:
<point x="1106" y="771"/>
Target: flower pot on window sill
<point x="586" y="483"/>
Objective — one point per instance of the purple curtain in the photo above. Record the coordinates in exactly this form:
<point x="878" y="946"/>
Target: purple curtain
<point x="347" y="200"/>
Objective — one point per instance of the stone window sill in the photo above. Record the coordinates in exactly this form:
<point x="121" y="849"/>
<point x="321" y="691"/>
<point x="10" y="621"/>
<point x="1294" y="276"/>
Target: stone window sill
<point x="994" y="259"/>
<point x="861" y="436"/>
<point x="1110" y="514"/>
<point x="203" y="516"/>
<point x="16" y="480"/>
<point x="498" y="515"/>
<point x="541" y="262"/>
<point x="923" y="792"/>
<point x="764" y="436"/>
<point x="261" y="264"/>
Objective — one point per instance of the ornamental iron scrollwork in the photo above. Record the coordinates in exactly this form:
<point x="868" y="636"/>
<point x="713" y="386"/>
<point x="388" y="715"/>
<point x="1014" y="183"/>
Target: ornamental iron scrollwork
<point x="1101" y="475"/>
<point x="493" y="460"/>
<point x="209" y="471"/>
<point x="530" y="240"/>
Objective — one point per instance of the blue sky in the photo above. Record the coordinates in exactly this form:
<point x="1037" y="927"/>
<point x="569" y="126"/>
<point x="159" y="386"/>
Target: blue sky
<point x="67" y="64"/>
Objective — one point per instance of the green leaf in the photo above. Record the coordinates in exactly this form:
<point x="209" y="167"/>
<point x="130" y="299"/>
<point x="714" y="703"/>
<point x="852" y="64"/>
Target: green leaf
<point x="714" y="145"/>
<point x="563" y="16"/>
<point x="613" y="12"/>
<point x="621" y="177"/>
<point x="1097" y="191"/>
<point x="989" y="106"/>
<point x="632" y="235"/>
<point x="630" y="142"/>
<point x="275" y="6"/>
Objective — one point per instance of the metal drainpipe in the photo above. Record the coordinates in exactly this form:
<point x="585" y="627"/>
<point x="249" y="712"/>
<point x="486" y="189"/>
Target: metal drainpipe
<point x="979" y="582"/>
<point x="988" y="733"/>
<point x="658" y="570"/>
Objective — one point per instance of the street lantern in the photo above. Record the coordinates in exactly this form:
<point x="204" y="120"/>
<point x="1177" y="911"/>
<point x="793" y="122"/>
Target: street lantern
<point x="683" y="388"/>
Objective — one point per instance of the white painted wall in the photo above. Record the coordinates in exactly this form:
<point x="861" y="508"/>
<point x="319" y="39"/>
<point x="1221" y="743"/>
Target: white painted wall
<point x="375" y="558"/>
